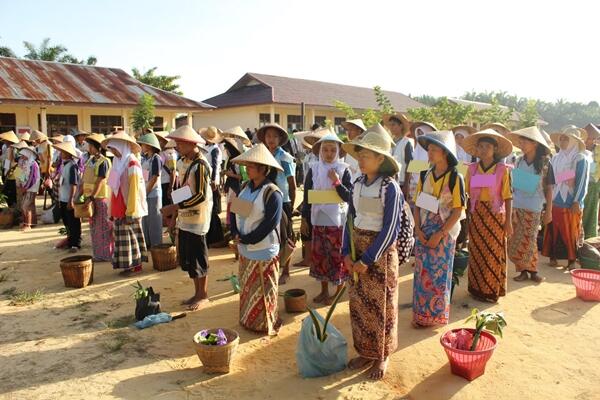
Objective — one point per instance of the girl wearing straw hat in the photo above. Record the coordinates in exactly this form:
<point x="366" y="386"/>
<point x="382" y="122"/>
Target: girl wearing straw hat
<point x="327" y="218"/>
<point x="68" y="182"/>
<point x="439" y="206"/>
<point x="168" y="156"/>
<point x="399" y="127"/>
<point x="212" y="136"/>
<point x="418" y="129"/>
<point x="9" y="163"/>
<point x="569" y="173"/>
<point x="235" y="173"/>
<point x="28" y="183"/>
<point x="274" y="137"/>
<point x="95" y="189"/>
<point x="372" y="230"/>
<point x="255" y="218"/>
<point x="531" y="191"/>
<point x="152" y="171"/>
<point x="591" y="135"/>
<point x="191" y="214"/>
<point x="127" y="203"/>
<point x="354" y="128"/>
<point x="489" y="187"/>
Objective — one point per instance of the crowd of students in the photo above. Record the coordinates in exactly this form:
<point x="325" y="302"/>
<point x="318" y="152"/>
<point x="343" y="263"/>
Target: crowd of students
<point x="389" y="191"/>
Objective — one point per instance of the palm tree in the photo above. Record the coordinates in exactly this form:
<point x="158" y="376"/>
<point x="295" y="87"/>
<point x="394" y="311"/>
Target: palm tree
<point x="6" y="51"/>
<point x="59" y="53"/>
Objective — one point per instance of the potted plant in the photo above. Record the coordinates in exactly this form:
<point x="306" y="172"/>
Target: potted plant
<point x="321" y="349"/>
<point x="469" y="350"/>
<point x="215" y="348"/>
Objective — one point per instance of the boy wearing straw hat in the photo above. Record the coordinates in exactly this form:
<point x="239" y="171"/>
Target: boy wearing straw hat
<point x="399" y="126"/>
<point x="66" y="194"/>
<point x="191" y="214"/>
<point x="212" y="136"/>
<point x="274" y="137"/>
<point x="354" y="128"/>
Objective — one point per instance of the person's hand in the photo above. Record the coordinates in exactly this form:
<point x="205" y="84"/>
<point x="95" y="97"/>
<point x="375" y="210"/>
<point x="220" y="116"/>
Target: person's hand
<point x="547" y="217"/>
<point x="169" y="211"/>
<point x="420" y="236"/>
<point x="435" y="239"/>
<point x="508" y="229"/>
<point x="575" y="208"/>
<point x="359" y="267"/>
<point x="71" y="205"/>
<point x="87" y="200"/>
<point x="348" y="264"/>
<point x="213" y="186"/>
<point x="304" y="227"/>
<point x="332" y="174"/>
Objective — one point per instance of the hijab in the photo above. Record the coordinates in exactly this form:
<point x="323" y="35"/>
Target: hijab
<point x="119" y="164"/>
<point x="321" y="181"/>
<point x="563" y="161"/>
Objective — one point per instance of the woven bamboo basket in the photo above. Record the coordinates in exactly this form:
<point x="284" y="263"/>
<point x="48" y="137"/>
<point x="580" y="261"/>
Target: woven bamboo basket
<point x="77" y="271"/>
<point x="83" y="210"/>
<point x="7" y="218"/>
<point x="164" y="257"/>
<point x="217" y="359"/>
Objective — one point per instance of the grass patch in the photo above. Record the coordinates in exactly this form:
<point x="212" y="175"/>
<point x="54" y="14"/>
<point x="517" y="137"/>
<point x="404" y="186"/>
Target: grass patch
<point x="116" y="344"/>
<point x="9" y="292"/>
<point x="25" y="298"/>
<point x="121" y="322"/>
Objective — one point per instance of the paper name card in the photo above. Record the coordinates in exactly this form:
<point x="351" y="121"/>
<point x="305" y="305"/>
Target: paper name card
<point x="565" y="176"/>
<point x="483" y="181"/>
<point x="241" y="207"/>
<point x="525" y="181"/>
<point x="181" y="194"/>
<point x="462" y="168"/>
<point x="416" y="166"/>
<point x="324" y="197"/>
<point x="428" y="202"/>
<point x="18" y="173"/>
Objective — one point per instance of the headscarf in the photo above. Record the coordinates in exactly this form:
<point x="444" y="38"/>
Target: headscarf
<point x="565" y="160"/>
<point x="321" y="181"/>
<point x="119" y="164"/>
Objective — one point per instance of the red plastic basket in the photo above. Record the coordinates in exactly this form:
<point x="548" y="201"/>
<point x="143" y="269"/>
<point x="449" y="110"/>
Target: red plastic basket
<point x="470" y="364"/>
<point x="587" y="284"/>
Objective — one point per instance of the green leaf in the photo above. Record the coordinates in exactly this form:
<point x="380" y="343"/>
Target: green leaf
<point x="316" y="324"/>
<point x="331" y="309"/>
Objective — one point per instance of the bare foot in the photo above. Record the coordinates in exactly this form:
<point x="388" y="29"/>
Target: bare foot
<point x="536" y="278"/>
<point x="188" y="301"/>
<point x="522" y="277"/>
<point x="359" y="363"/>
<point x="377" y="371"/>
<point x="322" y="296"/>
<point x="198" y="304"/>
<point x="277" y="325"/>
<point x="284" y="278"/>
<point x="417" y="325"/>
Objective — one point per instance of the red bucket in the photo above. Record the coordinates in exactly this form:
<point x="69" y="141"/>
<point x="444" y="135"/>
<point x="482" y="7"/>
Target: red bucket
<point x="470" y="364"/>
<point x="587" y="284"/>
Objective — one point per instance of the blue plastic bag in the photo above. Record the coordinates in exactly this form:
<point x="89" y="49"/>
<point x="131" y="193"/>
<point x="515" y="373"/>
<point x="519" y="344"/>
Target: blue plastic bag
<point x="316" y="358"/>
<point x="153" y="319"/>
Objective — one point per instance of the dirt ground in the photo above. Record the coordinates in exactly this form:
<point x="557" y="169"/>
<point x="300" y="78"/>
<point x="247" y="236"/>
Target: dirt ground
<point x="79" y="343"/>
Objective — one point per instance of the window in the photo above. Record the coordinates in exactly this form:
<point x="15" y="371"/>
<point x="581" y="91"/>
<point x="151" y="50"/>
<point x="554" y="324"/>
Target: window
<point x="320" y="120"/>
<point x="104" y="123"/>
<point x="8" y="122"/>
<point x="294" y="122"/>
<point x="338" y="124"/>
<point x="159" y="124"/>
<point x="264" y="119"/>
<point x="58" y="123"/>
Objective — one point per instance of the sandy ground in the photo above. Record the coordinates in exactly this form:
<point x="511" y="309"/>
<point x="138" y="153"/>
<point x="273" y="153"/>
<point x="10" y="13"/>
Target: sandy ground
<point x="76" y="343"/>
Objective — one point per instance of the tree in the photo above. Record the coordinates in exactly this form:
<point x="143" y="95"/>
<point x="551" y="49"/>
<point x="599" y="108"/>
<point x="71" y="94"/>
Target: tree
<point x="164" y="82"/>
<point x="58" y="52"/>
<point x="444" y="114"/>
<point x="6" y="51"/>
<point x="530" y="115"/>
<point x="495" y="113"/>
<point x="143" y="114"/>
<point x="369" y="116"/>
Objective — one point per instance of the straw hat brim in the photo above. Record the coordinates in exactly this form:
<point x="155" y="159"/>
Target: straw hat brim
<point x="426" y="140"/>
<point x="403" y="120"/>
<point x="66" y="147"/>
<point x="354" y="147"/>
<point x="555" y="137"/>
<point x="505" y="146"/>
<point x="470" y="130"/>
<point x="316" y="148"/>
<point x="259" y="154"/>
<point x="232" y="141"/>
<point x="136" y="148"/>
<point x="414" y="125"/>
<point x="282" y="133"/>
<point x="96" y="138"/>
<point x="10" y="137"/>
<point x="354" y="122"/>
<point x="156" y="145"/>
<point x="496" y="125"/>
<point x="237" y="132"/>
<point x="56" y="139"/>
<point x="218" y="138"/>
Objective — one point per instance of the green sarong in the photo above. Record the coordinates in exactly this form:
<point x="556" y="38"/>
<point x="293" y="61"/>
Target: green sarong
<point x="590" y="210"/>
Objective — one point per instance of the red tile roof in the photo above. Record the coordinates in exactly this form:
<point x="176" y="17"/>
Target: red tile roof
<point x="255" y="88"/>
<point x="43" y="82"/>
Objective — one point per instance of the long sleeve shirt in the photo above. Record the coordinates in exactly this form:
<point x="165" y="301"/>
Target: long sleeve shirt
<point x="577" y="194"/>
<point x="343" y="190"/>
<point x="393" y="201"/>
<point x="197" y="177"/>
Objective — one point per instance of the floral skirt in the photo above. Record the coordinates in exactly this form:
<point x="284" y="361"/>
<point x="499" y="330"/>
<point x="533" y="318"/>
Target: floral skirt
<point x="101" y="229"/>
<point x="258" y="295"/>
<point x="522" y="245"/>
<point x="327" y="260"/>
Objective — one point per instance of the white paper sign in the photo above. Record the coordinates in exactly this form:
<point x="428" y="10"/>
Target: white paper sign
<point x="181" y="194"/>
<point x="428" y="202"/>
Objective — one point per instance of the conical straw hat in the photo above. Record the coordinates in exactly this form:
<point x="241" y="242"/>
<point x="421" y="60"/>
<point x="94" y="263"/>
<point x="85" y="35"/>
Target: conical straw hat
<point x="258" y="154"/>
<point x="464" y="130"/>
<point x="422" y="127"/>
<point x="443" y="139"/>
<point x="330" y="137"/>
<point x="317" y="134"/>
<point x="187" y="134"/>
<point x="38" y="135"/>
<point x="237" y="132"/>
<point x="571" y="131"/>
<point x="211" y="135"/>
<point x="531" y="133"/>
<point x="282" y="133"/>
<point x="123" y="136"/>
<point x="9" y="137"/>
<point x="67" y="147"/>
<point x="377" y="143"/>
<point x="149" y="139"/>
<point x="356" y="122"/>
<point x="96" y="138"/>
<point x="505" y="146"/>
<point x="592" y="131"/>
<point x="379" y="129"/>
<point x="497" y="126"/>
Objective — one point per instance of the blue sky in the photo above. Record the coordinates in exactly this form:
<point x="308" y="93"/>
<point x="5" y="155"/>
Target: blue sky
<point x="546" y="50"/>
